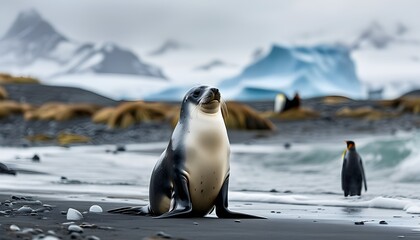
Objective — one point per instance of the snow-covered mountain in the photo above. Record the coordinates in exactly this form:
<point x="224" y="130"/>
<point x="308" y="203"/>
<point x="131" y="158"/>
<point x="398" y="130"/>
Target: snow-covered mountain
<point x="212" y="65"/>
<point x="386" y="58"/>
<point x="377" y="36"/>
<point x="168" y="46"/>
<point x="311" y="71"/>
<point x="33" y="46"/>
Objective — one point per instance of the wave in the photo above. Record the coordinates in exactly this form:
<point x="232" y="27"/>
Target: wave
<point x="408" y="205"/>
<point x="396" y="156"/>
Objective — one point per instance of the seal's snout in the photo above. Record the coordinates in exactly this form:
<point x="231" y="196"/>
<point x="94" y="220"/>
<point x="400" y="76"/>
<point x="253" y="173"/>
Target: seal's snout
<point x="211" y="101"/>
<point x="215" y="94"/>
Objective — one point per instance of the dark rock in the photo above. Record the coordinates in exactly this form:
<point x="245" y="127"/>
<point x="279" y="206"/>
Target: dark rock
<point x="383" y="222"/>
<point x="75" y="235"/>
<point x="120" y="148"/>
<point x="287" y="145"/>
<point x="36" y="158"/>
<point x="359" y="223"/>
<point x="6" y="170"/>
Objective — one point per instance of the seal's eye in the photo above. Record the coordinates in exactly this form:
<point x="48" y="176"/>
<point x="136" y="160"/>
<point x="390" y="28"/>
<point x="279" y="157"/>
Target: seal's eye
<point x="196" y="93"/>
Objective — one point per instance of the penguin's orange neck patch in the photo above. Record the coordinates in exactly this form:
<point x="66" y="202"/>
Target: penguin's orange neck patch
<point x="350" y="146"/>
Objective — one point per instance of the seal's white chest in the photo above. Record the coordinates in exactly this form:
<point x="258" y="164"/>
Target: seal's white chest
<point x="207" y="158"/>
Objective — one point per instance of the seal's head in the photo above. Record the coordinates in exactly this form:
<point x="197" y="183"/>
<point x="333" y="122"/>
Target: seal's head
<point x="207" y="98"/>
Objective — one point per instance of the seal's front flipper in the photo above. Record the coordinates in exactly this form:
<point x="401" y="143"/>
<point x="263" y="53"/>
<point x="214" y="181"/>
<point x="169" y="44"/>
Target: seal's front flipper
<point x="141" y="210"/>
<point x="222" y="210"/>
<point x="182" y="202"/>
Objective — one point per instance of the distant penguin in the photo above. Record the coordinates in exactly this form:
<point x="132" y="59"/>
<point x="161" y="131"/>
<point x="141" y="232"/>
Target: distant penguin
<point x="282" y="103"/>
<point x="352" y="173"/>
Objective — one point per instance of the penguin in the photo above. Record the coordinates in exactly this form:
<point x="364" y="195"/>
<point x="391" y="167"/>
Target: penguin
<point x="282" y="103"/>
<point x="352" y="173"/>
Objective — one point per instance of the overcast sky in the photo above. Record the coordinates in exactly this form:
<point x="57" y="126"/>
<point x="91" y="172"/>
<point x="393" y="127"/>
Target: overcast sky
<point x="233" y="24"/>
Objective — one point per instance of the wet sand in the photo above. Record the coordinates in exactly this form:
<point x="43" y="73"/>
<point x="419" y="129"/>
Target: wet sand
<point x="116" y="226"/>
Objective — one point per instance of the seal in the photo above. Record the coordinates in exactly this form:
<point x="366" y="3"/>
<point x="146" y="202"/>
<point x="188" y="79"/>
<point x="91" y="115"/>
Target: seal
<point x="352" y="173"/>
<point x="191" y="178"/>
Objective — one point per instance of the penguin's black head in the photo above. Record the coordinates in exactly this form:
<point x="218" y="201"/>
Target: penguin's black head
<point x="208" y="98"/>
<point x="351" y="145"/>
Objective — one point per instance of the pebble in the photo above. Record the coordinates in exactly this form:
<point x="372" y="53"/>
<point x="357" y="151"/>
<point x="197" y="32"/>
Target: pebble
<point x="88" y="225"/>
<point x="163" y="235"/>
<point x="383" y="222"/>
<point x="36" y="158"/>
<point x="27" y="231"/>
<point x="237" y="221"/>
<point x="95" y="209"/>
<point x="68" y="223"/>
<point x="14" y="228"/>
<point x="25" y="209"/>
<point x="74" y="215"/>
<point x="120" y="148"/>
<point x="75" y="228"/>
<point x="75" y="235"/>
<point x="401" y="236"/>
<point x="92" y="238"/>
<point x="43" y="209"/>
<point x="195" y="223"/>
<point x="50" y="238"/>
<point x="51" y="232"/>
<point x="359" y="223"/>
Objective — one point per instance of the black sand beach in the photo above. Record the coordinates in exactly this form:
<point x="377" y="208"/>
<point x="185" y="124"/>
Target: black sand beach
<point x="116" y="226"/>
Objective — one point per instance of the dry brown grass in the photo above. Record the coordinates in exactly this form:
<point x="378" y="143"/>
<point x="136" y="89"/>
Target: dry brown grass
<point x="69" y="138"/>
<point x="367" y="113"/>
<point x="40" y="138"/>
<point x="62" y="138"/>
<point x="332" y="100"/>
<point x="9" y="79"/>
<point x="11" y="107"/>
<point x="3" y="93"/>
<point x="406" y="104"/>
<point x="61" y="111"/>
<point x="243" y="117"/>
<point x="129" y="113"/>
<point x="294" y="114"/>
<point x="239" y="116"/>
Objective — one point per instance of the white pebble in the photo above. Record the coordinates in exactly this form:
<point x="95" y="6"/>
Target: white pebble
<point x="95" y="209"/>
<point x="25" y="209"/>
<point x="75" y="228"/>
<point x="50" y="238"/>
<point x="14" y="228"/>
<point x="68" y="223"/>
<point x="74" y="215"/>
<point x="43" y="237"/>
